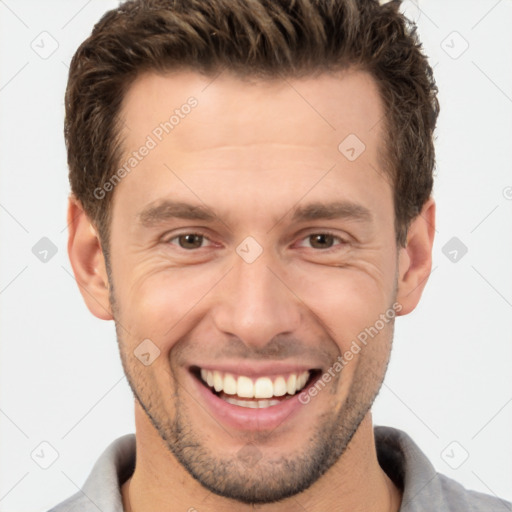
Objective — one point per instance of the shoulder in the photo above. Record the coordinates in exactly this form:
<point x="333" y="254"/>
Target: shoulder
<point x="423" y="488"/>
<point x="102" y="489"/>
<point x="458" y="498"/>
<point x="75" y="503"/>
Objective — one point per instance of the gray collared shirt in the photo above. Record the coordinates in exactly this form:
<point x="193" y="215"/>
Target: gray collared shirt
<point x="423" y="488"/>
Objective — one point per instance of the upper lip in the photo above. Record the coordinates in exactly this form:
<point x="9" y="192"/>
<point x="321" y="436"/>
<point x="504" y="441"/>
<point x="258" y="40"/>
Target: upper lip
<point x="248" y="369"/>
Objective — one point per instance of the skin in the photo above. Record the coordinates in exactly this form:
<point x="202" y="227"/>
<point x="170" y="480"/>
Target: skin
<point x="252" y="152"/>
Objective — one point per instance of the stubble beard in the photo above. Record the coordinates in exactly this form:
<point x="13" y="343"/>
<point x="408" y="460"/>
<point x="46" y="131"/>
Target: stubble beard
<point x="257" y="477"/>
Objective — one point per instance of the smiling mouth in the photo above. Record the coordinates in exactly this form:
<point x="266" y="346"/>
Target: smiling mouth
<point x="255" y="393"/>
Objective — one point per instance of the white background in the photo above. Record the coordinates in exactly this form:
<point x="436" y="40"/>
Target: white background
<point x="61" y="380"/>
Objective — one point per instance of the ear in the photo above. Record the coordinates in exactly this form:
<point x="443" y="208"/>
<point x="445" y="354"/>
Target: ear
<point x="415" y="259"/>
<point x="87" y="261"/>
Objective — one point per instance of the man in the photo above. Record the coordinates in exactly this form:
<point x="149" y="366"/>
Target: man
<point x="251" y="204"/>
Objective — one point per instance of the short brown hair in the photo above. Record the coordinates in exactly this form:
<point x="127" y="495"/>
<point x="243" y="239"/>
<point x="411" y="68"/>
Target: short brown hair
<point x="261" y="38"/>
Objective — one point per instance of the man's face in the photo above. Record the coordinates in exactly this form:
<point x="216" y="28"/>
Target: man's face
<point x="246" y="242"/>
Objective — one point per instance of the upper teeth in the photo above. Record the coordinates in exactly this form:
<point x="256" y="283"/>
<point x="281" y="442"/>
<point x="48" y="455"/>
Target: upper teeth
<point x="262" y="387"/>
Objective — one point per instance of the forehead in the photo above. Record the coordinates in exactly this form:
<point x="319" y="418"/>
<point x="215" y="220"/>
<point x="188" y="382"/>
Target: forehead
<point x="277" y="136"/>
<point x="330" y="105"/>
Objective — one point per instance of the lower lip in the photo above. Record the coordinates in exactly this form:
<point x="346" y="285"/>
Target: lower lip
<point x="244" y="418"/>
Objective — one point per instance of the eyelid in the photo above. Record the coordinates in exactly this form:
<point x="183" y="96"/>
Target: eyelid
<point x="168" y="237"/>
<point x="341" y="239"/>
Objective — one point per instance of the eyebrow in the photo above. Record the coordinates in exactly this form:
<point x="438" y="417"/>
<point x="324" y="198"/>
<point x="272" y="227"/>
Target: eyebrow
<point x="336" y="210"/>
<point x="167" y="210"/>
<point x="163" y="211"/>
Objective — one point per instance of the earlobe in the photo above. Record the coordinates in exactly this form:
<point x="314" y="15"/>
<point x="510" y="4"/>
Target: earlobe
<point x="415" y="259"/>
<point x="87" y="261"/>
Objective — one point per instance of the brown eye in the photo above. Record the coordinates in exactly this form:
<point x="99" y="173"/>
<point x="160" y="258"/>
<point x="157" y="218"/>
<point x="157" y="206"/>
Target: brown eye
<point x="321" y="241"/>
<point x="190" y="241"/>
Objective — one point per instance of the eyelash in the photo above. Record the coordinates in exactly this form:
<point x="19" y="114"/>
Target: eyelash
<point x="340" y="240"/>
<point x="169" y="240"/>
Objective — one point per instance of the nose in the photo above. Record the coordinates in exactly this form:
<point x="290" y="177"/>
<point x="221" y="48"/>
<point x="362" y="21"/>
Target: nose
<point x="255" y="303"/>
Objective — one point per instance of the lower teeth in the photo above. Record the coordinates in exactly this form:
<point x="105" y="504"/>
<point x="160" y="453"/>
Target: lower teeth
<point x="252" y="404"/>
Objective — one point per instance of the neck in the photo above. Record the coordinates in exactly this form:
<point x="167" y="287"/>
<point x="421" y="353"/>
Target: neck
<point x="355" y="483"/>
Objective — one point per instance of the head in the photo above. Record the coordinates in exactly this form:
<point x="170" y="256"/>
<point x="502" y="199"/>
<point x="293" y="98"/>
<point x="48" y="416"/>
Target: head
<point x="251" y="190"/>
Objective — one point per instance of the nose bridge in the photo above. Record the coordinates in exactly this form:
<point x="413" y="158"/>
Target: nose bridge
<point x="255" y="305"/>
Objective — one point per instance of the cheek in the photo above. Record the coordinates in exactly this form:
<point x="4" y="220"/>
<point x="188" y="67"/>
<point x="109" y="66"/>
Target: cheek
<point x="346" y="300"/>
<point x="363" y="361"/>
<point x="157" y="304"/>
